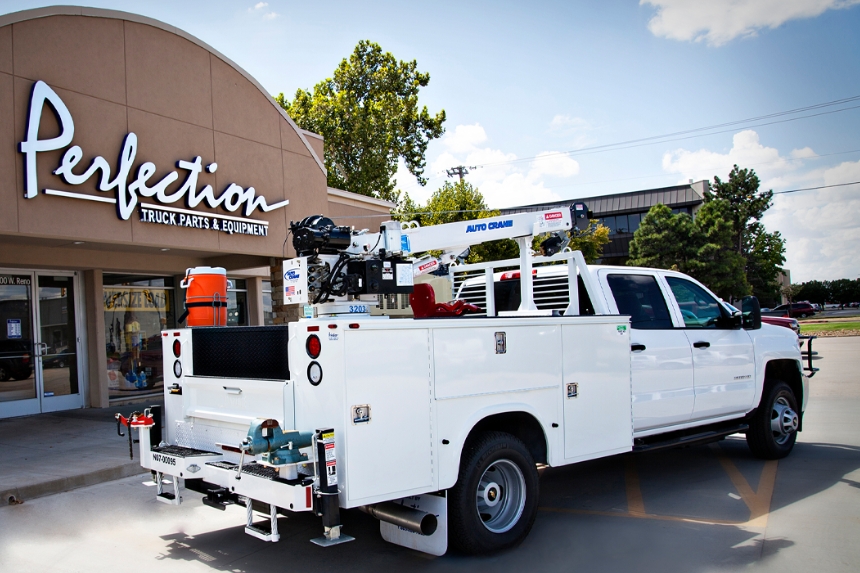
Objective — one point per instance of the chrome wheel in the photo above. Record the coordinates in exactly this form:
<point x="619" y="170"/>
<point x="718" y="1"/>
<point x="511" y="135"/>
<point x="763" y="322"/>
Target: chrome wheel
<point x="783" y="420"/>
<point x="501" y="496"/>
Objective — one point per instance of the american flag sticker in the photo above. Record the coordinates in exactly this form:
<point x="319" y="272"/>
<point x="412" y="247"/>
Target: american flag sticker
<point x="290" y="291"/>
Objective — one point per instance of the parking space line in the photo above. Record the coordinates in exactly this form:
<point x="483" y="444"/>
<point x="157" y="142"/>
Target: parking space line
<point x="757" y="501"/>
<point x="635" y="503"/>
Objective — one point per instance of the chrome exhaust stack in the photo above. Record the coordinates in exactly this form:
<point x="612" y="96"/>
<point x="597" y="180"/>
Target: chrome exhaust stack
<point x="414" y="520"/>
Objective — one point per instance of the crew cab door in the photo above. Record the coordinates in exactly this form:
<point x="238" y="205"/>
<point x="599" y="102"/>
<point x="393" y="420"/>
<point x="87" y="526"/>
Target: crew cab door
<point x="723" y="358"/>
<point x="661" y="355"/>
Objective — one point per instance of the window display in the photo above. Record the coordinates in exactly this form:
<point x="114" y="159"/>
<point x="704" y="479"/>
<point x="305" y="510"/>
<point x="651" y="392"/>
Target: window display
<point x="136" y="310"/>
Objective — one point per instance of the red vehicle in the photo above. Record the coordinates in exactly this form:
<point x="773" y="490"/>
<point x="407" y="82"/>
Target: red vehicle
<point x="800" y="309"/>
<point x="782" y="321"/>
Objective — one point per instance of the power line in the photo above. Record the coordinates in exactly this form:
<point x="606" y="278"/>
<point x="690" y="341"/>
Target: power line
<point x="814" y="188"/>
<point x="564" y="200"/>
<point x="658" y="139"/>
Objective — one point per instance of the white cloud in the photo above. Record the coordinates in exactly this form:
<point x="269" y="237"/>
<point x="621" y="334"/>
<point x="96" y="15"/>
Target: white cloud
<point x="554" y="164"/>
<point x="719" y="21"/>
<point x="503" y="181"/>
<point x="746" y="151"/>
<point x="821" y="228"/>
<point x="560" y="122"/>
<point x="271" y="16"/>
<point x="464" y="138"/>
<point x="260" y="5"/>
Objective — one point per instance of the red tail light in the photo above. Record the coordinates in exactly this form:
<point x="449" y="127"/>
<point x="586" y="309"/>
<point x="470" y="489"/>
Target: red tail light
<point x="313" y="346"/>
<point x="177" y="348"/>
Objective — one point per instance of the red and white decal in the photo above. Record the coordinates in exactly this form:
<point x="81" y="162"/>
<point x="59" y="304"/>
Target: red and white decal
<point x="553" y="215"/>
<point x="429" y="265"/>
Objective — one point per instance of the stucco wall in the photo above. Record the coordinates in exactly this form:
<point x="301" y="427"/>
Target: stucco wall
<point x="121" y="73"/>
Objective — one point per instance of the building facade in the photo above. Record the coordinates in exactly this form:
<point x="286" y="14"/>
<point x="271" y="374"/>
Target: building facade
<point x="623" y="212"/>
<point x="129" y="152"/>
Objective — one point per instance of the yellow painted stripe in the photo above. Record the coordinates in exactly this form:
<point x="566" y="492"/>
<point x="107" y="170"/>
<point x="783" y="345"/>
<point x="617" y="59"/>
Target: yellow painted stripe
<point x="635" y="503"/>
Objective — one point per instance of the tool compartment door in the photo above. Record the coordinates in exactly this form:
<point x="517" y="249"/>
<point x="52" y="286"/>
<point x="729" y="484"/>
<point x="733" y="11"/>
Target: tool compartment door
<point x="389" y="452"/>
<point x="596" y="391"/>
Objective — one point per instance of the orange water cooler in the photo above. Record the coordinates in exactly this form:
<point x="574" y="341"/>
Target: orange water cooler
<point x="205" y="296"/>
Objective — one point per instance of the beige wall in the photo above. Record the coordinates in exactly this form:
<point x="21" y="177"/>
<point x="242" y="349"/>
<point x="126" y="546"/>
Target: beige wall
<point x="181" y="100"/>
<point x="119" y="73"/>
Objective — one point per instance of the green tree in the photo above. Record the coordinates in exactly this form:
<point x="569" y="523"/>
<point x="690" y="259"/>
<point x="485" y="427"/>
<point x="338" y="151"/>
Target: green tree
<point x="666" y="241"/>
<point x="590" y="241"/>
<point x="815" y="291"/>
<point x="458" y="202"/>
<point x="716" y="264"/>
<point x="368" y="114"/>
<point x="763" y="252"/>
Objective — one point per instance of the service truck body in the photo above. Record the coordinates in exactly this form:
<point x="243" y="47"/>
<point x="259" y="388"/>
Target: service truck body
<point x="448" y="416"/>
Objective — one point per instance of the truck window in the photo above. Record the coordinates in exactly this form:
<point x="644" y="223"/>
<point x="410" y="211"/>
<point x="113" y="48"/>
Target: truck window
<point x="641" y="298"/>
<point x="699" y="309"/>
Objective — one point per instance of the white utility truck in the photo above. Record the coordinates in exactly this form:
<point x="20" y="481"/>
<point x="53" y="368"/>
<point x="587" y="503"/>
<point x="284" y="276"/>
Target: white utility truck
<point x="435" y="424"/>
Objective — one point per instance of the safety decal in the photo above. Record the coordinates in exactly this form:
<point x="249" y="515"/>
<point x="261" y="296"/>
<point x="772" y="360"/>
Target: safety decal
<point x="621" y="328"/>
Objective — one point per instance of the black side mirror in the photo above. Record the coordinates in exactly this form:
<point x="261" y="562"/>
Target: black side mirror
<point x="751" y="313"/>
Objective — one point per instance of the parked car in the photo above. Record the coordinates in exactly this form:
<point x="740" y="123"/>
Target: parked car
<point x="783" y="321"/>
<point x="15" y="360"/>
<point x="799" y="309"/>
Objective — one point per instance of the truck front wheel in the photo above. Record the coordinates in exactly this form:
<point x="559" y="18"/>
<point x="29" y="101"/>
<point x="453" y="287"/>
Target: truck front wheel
<point x="773" y="428"/>
<point x="494" y="502"/>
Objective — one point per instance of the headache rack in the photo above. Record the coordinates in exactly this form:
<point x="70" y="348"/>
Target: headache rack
<point x="560" y="284"/>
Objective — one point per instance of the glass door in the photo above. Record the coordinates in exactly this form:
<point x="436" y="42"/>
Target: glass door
<point x="57" y="342"/>
<point x="19" y="391"/>
<point x="39" y="343"/>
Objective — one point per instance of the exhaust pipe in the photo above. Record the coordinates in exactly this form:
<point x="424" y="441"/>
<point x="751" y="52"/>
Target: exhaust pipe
<point x="414" y="520"/>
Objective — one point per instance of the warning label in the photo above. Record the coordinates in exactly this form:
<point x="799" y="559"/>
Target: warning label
<point x="329" y="453"/>
<point x="331" y="472"/>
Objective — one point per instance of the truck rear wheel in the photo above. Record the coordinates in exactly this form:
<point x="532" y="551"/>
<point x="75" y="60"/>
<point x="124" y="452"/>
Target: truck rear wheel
<point x="494" y="503"/>
<point x="773" y="428"/>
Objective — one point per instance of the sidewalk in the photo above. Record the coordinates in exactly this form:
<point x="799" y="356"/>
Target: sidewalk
<point x="50" y="453"/>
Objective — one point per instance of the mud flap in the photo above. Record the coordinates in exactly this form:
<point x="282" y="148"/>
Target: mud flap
<point x="435" y="544"/>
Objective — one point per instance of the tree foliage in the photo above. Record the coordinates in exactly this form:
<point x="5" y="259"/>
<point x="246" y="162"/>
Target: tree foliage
<point x="716" y="264"/>
<point x="458" y="201"/>
<point x="840" y="291"/>
<point x="368" y="114"/>
<point x="590" y="241"/>
<point x="726" y="247"/>
<point x="665" y="241"/>
<point x="763" y="253"/>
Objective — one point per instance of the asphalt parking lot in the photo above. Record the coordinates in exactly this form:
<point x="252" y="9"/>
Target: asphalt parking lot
<point x="707" y="508"/>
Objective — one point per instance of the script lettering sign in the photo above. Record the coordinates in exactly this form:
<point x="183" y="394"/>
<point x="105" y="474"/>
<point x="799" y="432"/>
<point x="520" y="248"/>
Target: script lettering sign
<point x="129" y="190"/>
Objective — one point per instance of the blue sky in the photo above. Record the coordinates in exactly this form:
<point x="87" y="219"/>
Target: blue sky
<point x="522" y="82"/>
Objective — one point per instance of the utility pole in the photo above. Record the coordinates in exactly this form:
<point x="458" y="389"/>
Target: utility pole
<point x="460" y="170"/>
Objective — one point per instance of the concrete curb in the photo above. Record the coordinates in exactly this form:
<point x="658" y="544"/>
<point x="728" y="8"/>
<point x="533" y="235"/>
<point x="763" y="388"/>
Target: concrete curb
<point x="59" y="485"/>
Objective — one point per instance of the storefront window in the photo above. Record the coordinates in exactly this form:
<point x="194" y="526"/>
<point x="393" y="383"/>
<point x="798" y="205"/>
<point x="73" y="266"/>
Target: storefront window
<point x="268" y="314"/>
<point x="237" y="302"/>
<point x="136" y="310"/>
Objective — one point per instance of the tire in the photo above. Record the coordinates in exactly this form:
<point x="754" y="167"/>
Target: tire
<point x="494" y="503"/>
<point x="773" y="428"/>
<point x="802" y="315"/>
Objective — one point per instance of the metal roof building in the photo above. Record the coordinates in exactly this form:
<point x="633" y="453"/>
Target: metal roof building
<point x="622" y="212"/>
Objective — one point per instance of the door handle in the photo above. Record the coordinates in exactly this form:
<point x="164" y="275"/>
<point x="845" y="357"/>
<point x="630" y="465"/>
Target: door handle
<point x="637" y="347"/>
<point x="41" y="348"/>
<point x="232" y="390"/>
<point x="701" y="344"/>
